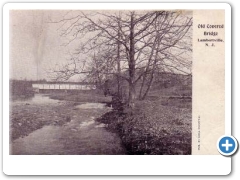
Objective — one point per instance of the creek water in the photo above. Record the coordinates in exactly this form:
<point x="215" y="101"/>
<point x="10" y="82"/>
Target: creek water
<point x="81" y="136"/>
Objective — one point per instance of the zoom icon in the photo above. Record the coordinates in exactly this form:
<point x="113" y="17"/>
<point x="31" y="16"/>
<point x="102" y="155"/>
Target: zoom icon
<point x="227" y="145"/>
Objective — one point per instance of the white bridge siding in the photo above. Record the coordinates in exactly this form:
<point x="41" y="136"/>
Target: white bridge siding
<point x="64" y="86"/>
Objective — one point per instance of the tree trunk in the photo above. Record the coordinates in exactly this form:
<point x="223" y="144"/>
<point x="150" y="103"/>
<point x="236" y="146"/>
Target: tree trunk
<point x="132" y="95"/>
<point x="152" y="75"/>
<point x="157" y="43"/>
<point x="141" y="89"/>
<point x="119" y="66"/>
<point x="131" y="64"/>
<point x="147" y="69"/>
<point x="150" y="84"/>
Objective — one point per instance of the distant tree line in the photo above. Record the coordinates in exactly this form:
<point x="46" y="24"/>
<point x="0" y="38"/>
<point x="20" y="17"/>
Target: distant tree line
<point x="21" y="88"/>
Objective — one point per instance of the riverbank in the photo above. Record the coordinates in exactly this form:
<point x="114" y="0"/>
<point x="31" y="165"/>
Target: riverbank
<point x="43" y="126"/>
<point x="158" y="125"/>
<point x="27" y="116"/>
<point x="82" y="96"/>
<point x="154" y="127"/>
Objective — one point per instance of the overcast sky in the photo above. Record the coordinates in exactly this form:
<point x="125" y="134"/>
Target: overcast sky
<point x="34" y="42"/>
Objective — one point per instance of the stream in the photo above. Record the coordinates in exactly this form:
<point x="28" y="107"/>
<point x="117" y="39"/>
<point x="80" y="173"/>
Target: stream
<point x="82" y="135"/>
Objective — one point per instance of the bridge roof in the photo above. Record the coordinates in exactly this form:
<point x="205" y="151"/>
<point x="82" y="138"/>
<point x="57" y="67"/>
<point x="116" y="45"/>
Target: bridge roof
<point x="59" y="82"/>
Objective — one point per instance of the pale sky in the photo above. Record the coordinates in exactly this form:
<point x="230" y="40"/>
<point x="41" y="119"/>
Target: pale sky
<point x="34" y="41"/>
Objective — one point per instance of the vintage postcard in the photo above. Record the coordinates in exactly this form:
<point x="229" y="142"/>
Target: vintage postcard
<point x="110" y="80"/>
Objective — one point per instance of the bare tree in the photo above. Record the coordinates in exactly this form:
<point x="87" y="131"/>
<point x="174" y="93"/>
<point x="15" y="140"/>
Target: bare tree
<point x="138" y="43"/>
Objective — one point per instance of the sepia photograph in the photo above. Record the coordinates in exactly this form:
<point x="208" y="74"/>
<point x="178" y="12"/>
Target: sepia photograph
<point x="100" y="82"/>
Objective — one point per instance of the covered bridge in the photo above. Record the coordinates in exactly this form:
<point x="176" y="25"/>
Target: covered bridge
<point x="62" y="86"/>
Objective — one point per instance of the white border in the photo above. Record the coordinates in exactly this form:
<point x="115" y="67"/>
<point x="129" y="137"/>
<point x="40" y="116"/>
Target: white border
<point x="114" y="165"/>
